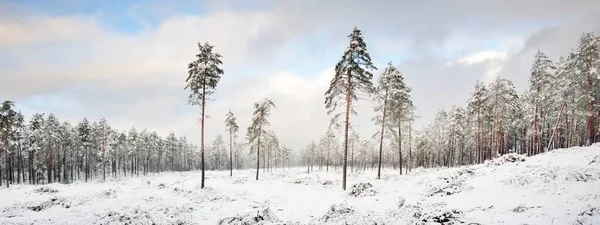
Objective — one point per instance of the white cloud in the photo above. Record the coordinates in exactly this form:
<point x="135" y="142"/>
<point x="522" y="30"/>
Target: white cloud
<point x="493" y="61"/>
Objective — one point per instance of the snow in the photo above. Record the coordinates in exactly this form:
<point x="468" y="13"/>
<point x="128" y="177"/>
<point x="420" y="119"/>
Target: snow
<point x="559" y="187"/>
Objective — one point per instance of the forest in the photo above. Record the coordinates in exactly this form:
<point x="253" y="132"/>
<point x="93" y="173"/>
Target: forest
<point x="561" y="108"/>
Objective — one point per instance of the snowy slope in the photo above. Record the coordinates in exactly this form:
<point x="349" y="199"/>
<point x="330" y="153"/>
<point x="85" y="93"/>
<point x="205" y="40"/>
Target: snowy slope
<point x="561" y="187"/>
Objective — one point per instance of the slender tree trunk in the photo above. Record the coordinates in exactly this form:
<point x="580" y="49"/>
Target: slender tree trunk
<point x="348" y="103"/>
<point x="103" y="156"/>
<point x="479" y="150"/>
<point x="590" y="122"/>
<point x="258" y="152"/>
<point x="202" y="133"/>
<point x="352" y="156"/>
<point x="400" y="146"/>
<point x="6" y="155"/>
<point x="327" y="159"/>
<point x="381" y="137"/>
<point x="409" y="146"/>
<point x="230" y="153"/>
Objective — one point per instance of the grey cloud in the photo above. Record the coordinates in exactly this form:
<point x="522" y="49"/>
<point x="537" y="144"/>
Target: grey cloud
<point x="554" y="41"/>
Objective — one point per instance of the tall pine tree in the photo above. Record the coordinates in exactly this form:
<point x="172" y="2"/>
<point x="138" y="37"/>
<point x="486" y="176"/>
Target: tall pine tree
<point x="259" y="128"/>
<point x="352" y="77"/>
<point x="204" y="74"/>
<point x="232" y="128"/>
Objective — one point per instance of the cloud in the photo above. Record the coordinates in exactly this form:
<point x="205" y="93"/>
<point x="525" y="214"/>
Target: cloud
<point x="283" y="50"/>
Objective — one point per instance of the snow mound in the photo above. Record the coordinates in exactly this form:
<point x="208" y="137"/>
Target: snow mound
<point x="265" y="216"/>
<point x="508" y="158"/>
<point x="523" y="208"/>
<point x="400" y="202"/>
<point x="327" y="182"/>
<point x="588" y="217"/>
<point x="342" y="214"/>
<point x="45" y="189"/>
<point x="139" y="216"/>
<point x="447" y="217"/>
<point x="451" y="183"/>
<point x="49" y="204"/>
<point x="206" y="194"/>
<point x="362" y="190"/>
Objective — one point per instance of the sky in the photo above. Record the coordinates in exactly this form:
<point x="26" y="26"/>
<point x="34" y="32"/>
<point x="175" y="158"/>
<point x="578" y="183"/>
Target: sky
<point x="127" y="61"/>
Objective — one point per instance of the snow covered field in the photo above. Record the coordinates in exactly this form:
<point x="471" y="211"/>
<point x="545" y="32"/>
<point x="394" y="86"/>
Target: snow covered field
<point x="561" y="187"/>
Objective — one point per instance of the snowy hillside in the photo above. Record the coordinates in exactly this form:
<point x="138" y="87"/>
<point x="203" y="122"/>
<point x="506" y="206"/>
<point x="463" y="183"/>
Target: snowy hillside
<point x="561" y="187"/>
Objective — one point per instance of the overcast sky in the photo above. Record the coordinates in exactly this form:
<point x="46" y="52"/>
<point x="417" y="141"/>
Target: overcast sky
<point x="127" y="60"/>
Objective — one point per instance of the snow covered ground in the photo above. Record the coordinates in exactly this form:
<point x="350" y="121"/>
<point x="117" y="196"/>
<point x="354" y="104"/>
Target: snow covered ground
<point x="561" y="187"/>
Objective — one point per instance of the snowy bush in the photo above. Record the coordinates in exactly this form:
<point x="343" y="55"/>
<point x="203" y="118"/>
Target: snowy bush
<point x="336" y="212"/>
<point x="588" y="217"/>
<point x="449" y="185"/>
<point x="50" y="203"/>
<point x="438" y="217"/>
<point x="582" y="176"/>
<point x="45" y="189"/>
<point x="400" y="202"/>
<point x="362" y="189"/>
<point x="265" y="216"/>
<point x="328" y="182"/>
<point x="523" y="208"/>
<point x="508" y="158"/>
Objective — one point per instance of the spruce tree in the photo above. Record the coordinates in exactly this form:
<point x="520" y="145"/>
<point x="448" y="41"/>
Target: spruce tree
<point x="232" y="128"/>
<point x="204" y="74"/>
<point x="259" y="128"/>
<point x="352" y="78"/>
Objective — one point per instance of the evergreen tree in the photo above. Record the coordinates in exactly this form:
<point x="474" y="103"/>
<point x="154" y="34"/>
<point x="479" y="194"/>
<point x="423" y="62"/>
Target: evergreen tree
<point x="232" y="128"/>
<point x="259" y="128"/>
<point x="540" y="93"/>
<point x="7" y="120"/>
<point x="84" y="132"/>
<point x="203" y="75"/>
<point x="586" y="62"/>
<point x="352" y="77"/>
<point x="393" y="101"/>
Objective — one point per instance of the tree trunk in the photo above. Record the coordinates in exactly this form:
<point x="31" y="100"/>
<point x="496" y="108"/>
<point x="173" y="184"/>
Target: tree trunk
<point x="400" y="146"/>
<point x="382" y="133"/>
<point x="230" y="153"/>
<point x="202" y="133"/>
<point x="50" y="161"/>
<point x="258" y="152"/>
<point x="327" y="159"/>
<point x="479" y="150"/>
<point x="6" y="155"/>
<point x="409" y="146"/>
<point x="591" y="132"/>
<point x="103" y="156"/>
<point x="348" y="103"/>
<point x="352" y="156"/>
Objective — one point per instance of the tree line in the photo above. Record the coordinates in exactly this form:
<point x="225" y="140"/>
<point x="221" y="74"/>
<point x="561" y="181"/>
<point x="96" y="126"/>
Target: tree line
<point x="46" y="150"/>
<point x="560" y="109"/>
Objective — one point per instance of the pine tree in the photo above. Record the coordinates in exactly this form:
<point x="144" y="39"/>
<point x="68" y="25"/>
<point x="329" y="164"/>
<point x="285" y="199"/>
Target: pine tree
<point x="393" y="101"/>
<point x="7" y="119"/>
<point x="232" y="128"/>
<point x="586" y="62"/>
<point x="84" y="132"/>
<point x="204" y="74"/>
<point x="540" y="84"/>
<point x="259" y="128"/>
<point x="352" y="76"/>
<point x="104" y="133"/>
